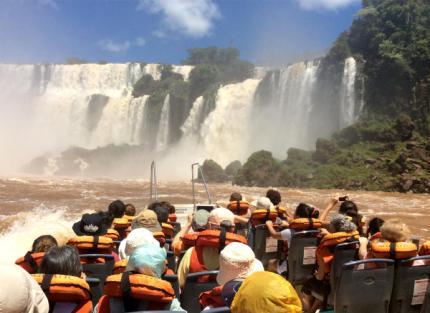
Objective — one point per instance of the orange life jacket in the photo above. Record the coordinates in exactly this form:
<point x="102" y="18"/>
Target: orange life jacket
<point x="129" y="217"/>
<point x="161" y="238"/>
<point x="172" y="217"/>
<point x="212" y="298"/>
<point x="305" y="224"/>
<point x="112" y="234"/>
<point x="325" y="253"/>
<point x="393" y="250"/>
<point x="156" y="292"/>
<point x="189" y="240"/>
<point x="375" y="236"/>
<point x="64" y="288"/>
<point x="122" y="226"/>
<point x="210" y="238"/>
<point x="92" y="244"/>
<point x="238" y="207"/>
<point x="282" y="212"/>
<point x="31" y="261"/>
<point x="425" y="248"/>
<point x="168" y="230"/>
<point x="260" y="216"/>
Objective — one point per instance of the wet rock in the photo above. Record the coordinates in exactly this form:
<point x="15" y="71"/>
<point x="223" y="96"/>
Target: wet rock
<point x="325" y="149"/>
<point x="404" y="127"/>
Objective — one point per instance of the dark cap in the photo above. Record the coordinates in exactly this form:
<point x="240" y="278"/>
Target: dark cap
<point x="90" y="225"/>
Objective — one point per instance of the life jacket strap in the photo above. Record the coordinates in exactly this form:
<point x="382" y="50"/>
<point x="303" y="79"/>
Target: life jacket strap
<point x="28" y="258"/>
<point x="222" y="238"/>
<point x="393" y="250"/>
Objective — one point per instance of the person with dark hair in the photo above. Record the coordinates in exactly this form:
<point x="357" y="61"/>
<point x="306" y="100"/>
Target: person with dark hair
<point x="350" y="209"/>
<point x="116" y="209"/>
<point x="374" y="228"/>
<point x="43" y="243"/>
<point x="62" y="260"/>
<point x="235" y="196"/>
<point x="107" y="219"/>
<point x="302" y="211"/>
<point x="274" y="196"/>
<point x="130" y="210"/>
<point x="161" y="210"/>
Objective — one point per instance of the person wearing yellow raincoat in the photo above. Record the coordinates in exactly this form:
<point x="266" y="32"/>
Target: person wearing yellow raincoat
<point x="266" y="292"/>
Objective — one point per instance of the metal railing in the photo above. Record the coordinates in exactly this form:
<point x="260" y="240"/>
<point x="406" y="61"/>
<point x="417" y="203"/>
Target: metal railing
<point x="193" y="179"/>
<point x="153" y="192"/>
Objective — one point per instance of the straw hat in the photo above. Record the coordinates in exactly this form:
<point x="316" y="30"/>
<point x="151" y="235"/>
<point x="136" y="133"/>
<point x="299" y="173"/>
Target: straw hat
<point x="237" y="260"/>
<point x="219" y="215"/>
<point x="146" y="219"/>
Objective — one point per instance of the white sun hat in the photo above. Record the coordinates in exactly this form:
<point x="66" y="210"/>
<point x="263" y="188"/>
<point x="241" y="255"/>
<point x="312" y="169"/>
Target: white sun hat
<point x="262" y="203"/>
<point x="237" y="261"/>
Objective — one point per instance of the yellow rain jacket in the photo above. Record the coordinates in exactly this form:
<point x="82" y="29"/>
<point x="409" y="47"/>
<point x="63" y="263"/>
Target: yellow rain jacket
<point x="266" y="292"/>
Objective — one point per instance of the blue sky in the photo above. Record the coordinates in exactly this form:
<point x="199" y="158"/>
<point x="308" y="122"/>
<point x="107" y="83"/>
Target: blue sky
<point x="267" y="32"/>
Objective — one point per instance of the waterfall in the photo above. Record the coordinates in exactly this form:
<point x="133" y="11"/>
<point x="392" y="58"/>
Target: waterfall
<point x="191" y="126"/>
<point x="348" y="110"/>
<point x="283" y="107"/>
<point x="164" y="126"/>
<point x="225" y="132"/>
<point x="53" y="107"/>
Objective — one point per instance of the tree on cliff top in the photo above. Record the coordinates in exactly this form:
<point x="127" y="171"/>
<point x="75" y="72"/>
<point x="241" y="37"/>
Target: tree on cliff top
<point x="213" y="172"/>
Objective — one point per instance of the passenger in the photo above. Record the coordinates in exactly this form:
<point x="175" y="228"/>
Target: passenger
<point x="116" y="209"/>
<point x="350" y="209"/>
<point x="90" y="225"/>
<point x="44" y="243"/>
<point x="32" y="259"/>
<point x="20" y="293"/>
<point x="302" y="211"/>
<point x="235" y="196"/>
<point x="130" y="211"/>
<point x="236" y="262"/>
<point x="146" y="219"/>
<point x="203" y="257"/>
<point x="148" y="260"/>
<point x="62" y="260"/>
<point x="161" y="210"/>
<point x="136" y="238"/>
<point x="394" y="231"/>
<point x="266" y="292"/>
<point x="342" y="228"/>
<point x="195" y="223"/>
<point x="374" y="228"/>
<point x="275" y="197"/>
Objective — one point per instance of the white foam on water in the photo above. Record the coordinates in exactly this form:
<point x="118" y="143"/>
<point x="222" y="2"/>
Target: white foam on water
<point x="29" y="225"/>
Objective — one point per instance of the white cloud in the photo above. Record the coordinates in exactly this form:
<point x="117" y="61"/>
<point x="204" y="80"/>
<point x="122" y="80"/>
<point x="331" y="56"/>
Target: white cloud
<point x="140" y="41"/>
<point x="325" y="4"/>
<point x="189" y="17"/>
<point x="111" y="46"/>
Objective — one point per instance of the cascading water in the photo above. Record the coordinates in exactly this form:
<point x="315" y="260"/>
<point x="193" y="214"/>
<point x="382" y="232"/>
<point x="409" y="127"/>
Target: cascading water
<point x="164" y="126"/>
<point x="92" y="106"/>
<point x="349" y="111"/>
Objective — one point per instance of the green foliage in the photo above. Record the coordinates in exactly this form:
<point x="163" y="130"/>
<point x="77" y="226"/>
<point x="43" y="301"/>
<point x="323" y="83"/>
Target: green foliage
<point x="211" y="55"/>
<point x="201" y="78"/>
<point x="166" y="71"/>
<point x="394" y="39"/>
<point x="261" y="169"/>
<point x="213" y="172"/>
<point x="232" y="168"/>
<point x="146" y="85"/>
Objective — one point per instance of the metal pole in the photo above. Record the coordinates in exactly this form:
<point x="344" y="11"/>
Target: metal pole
<point x="151" y="182"/>
<point x="192" y="183"/>
<point x="205" y="184"/>
<point x="155" y="182"/>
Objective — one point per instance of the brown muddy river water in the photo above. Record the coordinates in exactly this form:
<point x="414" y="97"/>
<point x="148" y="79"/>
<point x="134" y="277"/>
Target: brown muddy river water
<point x="32" y="206"/>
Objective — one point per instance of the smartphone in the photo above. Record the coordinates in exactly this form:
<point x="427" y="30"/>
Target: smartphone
<point x="344" y="198"/>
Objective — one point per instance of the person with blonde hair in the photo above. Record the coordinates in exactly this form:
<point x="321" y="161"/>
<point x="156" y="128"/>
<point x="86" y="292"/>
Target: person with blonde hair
<point x="394" y="230"/>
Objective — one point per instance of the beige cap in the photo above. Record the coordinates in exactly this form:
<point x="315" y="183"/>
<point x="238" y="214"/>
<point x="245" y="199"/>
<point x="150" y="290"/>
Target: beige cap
<point x="218" y="215"/>
<point x="146" y="219"/>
